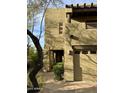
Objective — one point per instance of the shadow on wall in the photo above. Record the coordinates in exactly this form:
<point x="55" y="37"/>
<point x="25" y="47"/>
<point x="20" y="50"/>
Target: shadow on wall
<point x="85" y="37"/>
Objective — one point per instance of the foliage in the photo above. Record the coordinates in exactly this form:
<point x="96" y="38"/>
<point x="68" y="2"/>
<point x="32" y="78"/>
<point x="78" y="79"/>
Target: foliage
<point x="32" y="57"/>
<point x="58" y="70"/>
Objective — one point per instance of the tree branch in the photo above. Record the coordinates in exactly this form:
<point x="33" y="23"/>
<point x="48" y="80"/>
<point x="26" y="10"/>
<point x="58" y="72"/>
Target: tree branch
<point x="39" y="62"/>
<point x="38" y="47"/>
<point x="43" y="18"/>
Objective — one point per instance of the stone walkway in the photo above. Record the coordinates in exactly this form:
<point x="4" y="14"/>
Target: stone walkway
<point x="52" y="86"/>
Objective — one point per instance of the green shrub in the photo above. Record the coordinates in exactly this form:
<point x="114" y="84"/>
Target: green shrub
<point x="58" y="70"/>
<point x="32" y="56"/>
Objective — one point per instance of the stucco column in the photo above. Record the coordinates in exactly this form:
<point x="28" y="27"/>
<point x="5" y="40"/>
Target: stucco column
<point x="76" y="66"/>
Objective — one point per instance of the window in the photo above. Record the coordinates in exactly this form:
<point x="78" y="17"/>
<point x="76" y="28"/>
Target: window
<point x="91" y="24"/>
<point x="60" y="28"/>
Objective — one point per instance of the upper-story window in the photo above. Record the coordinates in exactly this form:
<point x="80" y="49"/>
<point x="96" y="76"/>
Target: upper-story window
<point x="91" y="24"/>
<point x="60" y="27"/>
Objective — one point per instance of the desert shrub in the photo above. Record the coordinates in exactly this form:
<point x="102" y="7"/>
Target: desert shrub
<point x="32" y="57"/>
<point x="58" y="70"/>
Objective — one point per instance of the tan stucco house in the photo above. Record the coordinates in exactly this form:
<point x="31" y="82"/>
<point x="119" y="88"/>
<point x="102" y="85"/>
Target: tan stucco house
<point x="71" y="37"/>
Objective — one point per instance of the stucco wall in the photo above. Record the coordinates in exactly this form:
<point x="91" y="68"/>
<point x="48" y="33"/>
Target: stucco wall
<point x="53" y="39"/>
<point x="82" y="36"/>
<point x="77" y="28"/>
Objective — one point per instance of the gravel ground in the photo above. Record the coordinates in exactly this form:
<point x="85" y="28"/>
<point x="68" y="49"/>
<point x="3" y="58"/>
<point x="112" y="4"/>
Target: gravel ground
<point x="52" y="86"/>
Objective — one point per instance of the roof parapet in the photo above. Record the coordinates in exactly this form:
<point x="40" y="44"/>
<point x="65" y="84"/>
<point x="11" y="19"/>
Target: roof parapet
<point x="92" y="5"/>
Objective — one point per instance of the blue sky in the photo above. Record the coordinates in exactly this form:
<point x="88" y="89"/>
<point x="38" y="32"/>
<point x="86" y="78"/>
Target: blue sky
<point x="37" y="27"/>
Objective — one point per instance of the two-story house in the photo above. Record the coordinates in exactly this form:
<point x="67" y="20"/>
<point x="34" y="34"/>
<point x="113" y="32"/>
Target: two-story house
<point x="71" y="37"/>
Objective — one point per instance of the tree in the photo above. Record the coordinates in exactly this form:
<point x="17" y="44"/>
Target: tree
<point x="35" y="7"/>
<point x="39" y="63"/>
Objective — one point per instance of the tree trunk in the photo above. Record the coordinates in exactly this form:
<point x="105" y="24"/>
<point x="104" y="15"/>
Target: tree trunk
<point x="39" y="63"/>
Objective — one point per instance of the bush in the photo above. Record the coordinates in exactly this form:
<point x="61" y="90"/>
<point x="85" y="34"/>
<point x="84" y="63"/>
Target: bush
<point x="58" y="70"/>
<point x="32" y="57"/>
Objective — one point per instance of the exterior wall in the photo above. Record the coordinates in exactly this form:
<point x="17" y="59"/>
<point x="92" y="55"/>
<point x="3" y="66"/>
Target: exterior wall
<point x="53" y="40"/>
<point x="83" y="36"/>
<point x="56" y="41"/>
<point x="68" y="63"/>
<point x="89" y="67"/>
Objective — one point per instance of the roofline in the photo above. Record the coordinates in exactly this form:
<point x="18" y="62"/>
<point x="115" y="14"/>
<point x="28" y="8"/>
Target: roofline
<point x="92" y="5"/>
